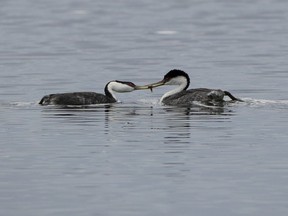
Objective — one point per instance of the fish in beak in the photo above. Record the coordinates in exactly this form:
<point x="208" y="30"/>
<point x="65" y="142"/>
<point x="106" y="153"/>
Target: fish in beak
<point x="152" y="85"/>
<point x="136" y="87"/>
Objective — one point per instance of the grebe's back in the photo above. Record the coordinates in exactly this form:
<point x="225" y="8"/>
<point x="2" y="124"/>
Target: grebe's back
<point x="76" y="98"/>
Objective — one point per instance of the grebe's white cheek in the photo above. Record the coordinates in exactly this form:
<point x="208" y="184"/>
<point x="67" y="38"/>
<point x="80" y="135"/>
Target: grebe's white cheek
<point x="120" y="87"/>
<point x="127" y="88"/>
<point x="172" y="82"/>
<point x="176" y="81"/>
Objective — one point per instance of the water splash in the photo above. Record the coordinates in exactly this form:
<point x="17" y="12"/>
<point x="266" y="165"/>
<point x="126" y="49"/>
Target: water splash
<point x="23" y="104"/>
<point x="266" y="103"/>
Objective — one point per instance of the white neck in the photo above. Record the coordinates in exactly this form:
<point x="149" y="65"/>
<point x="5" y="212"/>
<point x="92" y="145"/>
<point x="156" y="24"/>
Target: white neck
<point x="180" y="81"/>
<point x="110" y="89"/>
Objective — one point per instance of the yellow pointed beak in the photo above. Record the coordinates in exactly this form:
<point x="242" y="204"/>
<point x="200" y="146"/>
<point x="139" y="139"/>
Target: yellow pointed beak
<point x="151" y="86"/>
<point x="157" y="84"/>
<point x="141" y="87"/>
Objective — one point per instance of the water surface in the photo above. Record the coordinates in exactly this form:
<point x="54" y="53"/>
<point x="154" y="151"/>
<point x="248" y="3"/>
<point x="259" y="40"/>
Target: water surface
<point x="138" y="157"/>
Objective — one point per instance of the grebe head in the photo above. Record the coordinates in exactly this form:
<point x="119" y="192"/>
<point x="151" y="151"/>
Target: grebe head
<point x="176" y="77"/>
<point x="173" y="77"/>
<point x="121" y="86"/>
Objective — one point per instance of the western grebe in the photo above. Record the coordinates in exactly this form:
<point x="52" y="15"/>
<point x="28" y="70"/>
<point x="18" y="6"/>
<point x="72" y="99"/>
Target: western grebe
<point x="86" y="98"/>
<point x="182" y="96"/>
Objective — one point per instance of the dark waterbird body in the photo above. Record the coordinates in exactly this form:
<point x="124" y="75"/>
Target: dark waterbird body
<point x="88" y="98"/>
<point x="183" y="97"/>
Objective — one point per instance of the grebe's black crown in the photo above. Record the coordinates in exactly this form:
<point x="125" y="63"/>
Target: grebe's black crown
<point x="176" y="73"/>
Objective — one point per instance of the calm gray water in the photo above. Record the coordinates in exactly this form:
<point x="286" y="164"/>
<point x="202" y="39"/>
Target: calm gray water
<point x="139" y="157"/>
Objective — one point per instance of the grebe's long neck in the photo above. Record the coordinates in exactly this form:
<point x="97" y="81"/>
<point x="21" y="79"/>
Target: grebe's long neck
<point x="109" y="92"/>
<point x="183" y="84"/>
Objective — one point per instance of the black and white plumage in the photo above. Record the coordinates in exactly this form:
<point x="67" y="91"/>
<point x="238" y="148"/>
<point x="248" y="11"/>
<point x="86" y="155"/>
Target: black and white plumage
<point x="183" y="97"/>
<point x="87" y="98"/>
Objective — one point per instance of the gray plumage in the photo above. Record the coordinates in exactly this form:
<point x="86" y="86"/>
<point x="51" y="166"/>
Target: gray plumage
<point x="183" y="97"/>
<point x="87" y="98"/>
<point x="76" y="98"/>
<point x="210" y="97"/>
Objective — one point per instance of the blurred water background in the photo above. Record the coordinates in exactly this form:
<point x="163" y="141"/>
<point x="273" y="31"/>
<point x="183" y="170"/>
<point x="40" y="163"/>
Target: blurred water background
<point x="139" y="157"/>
